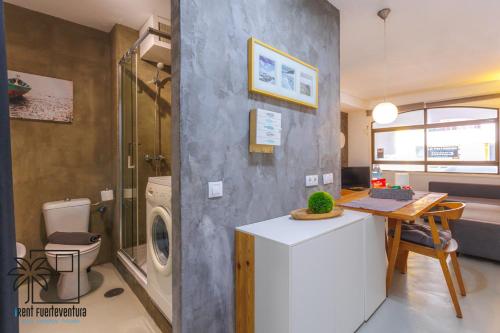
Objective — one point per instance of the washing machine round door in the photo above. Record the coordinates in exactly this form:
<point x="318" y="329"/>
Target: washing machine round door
<point x="160" y="244"/>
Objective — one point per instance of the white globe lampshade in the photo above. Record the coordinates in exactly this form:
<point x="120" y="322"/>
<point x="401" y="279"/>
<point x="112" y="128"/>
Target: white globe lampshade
<point x="385" y="113"/>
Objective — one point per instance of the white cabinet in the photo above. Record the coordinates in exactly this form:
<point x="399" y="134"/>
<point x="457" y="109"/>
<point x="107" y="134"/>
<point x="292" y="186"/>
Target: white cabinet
<point x="375" y="264"/>
<point x="311" y="307"/>
<point x="312" y="276"/>
<point x="349" y="291"/>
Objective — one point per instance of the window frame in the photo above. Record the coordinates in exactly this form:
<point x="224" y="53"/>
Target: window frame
<point x="427" y="126"/>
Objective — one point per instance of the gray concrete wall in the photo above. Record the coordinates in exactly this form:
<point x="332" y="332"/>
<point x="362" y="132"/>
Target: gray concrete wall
<point x="210" y="120"/>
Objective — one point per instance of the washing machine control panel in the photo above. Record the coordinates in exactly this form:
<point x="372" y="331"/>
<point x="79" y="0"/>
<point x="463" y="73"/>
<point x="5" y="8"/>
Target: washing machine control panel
<point x="158" y="194"/>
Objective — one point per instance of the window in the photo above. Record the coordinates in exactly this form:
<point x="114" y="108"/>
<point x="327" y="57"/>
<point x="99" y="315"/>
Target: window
<point x="404" y="119"/>
<point x="403" y="145"/>
<point x="447" y="139"/>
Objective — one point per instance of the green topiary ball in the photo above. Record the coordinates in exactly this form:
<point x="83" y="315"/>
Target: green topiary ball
<point x="320" y="203"/>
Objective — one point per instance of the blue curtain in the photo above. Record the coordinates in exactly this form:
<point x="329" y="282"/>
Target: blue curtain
<point x="8" y="296"/>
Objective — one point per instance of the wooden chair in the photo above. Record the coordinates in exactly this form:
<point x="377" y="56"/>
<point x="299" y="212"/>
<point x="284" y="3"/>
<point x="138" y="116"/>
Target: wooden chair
<point x="448" y="211"/>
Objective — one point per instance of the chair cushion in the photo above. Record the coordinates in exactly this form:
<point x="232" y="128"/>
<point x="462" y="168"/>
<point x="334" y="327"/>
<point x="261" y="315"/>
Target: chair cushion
<point x="422" y="235"/>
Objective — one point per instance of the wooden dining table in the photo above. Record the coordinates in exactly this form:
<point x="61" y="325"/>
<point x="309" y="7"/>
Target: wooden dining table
<point x="410" y="212"/>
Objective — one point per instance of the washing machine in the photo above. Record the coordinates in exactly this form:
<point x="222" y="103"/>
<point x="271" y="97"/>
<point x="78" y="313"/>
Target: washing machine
<point x="159" y="243"/>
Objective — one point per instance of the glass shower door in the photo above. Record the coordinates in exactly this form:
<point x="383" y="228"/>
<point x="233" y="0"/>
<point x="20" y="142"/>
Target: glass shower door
<point x="128" y="101"/>
<point x="145" y="146"/>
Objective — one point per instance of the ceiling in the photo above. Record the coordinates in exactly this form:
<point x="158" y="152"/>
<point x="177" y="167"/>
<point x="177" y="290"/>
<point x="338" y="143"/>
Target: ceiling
<point x="436" y="49"/>
<point x="100" y="14"/>
<point x="431" y="46"/>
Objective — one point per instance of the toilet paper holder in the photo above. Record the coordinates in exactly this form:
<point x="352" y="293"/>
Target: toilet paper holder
<point x="106" y="195"/>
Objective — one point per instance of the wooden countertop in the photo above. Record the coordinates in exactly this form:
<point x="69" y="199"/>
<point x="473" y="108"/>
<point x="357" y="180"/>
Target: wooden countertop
<point x="410" y="212"/>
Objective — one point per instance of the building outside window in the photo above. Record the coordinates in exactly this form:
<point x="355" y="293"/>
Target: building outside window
<point x="445" y="139"/>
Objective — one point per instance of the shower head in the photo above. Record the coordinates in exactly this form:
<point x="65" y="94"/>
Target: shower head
<point x="159" y="67"/>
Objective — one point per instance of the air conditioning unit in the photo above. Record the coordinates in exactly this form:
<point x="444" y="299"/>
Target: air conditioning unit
<point x="155" y="48"/>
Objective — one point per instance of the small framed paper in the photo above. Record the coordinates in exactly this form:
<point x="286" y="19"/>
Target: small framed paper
<point x="265" y="131"/>
<point x="275" y="73"/>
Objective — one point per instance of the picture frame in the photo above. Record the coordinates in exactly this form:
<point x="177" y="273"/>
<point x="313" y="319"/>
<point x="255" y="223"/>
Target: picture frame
<point x="274" y="73"/>
<point x="41" y="98"/>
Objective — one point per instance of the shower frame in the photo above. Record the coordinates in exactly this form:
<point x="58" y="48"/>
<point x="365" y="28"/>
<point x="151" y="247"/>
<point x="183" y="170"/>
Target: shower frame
<point x="119" y="65"/>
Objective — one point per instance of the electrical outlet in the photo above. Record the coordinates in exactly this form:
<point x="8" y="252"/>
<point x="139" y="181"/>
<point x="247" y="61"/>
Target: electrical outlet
<point x="328" y="178"/>
<point x="215" y="189"/>
<point x="311" y="180"/>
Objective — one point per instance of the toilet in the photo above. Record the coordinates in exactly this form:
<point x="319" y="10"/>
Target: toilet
<point x="70" y="215"/>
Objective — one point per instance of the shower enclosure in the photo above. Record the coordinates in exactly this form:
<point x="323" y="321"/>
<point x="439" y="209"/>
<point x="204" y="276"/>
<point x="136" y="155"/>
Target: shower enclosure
<point x="144" y="112"/>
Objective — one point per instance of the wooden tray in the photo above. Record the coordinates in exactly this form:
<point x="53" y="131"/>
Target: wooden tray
<point x="302" y="214"/>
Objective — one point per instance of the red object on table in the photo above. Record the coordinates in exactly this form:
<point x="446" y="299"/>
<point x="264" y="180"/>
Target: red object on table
<point x="379" y="183"/>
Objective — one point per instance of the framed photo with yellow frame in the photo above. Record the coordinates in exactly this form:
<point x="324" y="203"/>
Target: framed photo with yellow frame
<point x="272" y="72"/>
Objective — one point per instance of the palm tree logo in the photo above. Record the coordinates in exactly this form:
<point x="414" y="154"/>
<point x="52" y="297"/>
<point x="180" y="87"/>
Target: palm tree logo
<point x="32" y="272"/>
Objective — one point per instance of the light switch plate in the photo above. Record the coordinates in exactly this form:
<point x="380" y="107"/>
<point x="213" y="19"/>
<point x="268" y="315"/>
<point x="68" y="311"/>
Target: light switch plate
<point x="328" y="178"/>
<point x="215" y="189"/>
<point x="311" y="180"/>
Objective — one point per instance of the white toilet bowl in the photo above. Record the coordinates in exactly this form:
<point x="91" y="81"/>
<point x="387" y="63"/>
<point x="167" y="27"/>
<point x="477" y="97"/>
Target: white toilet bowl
<point x="71" y="261"/>
<point x="73" y="279"/>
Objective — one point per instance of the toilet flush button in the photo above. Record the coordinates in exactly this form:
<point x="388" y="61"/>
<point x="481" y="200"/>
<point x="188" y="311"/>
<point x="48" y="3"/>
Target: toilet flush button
<point x="214" y="189"/>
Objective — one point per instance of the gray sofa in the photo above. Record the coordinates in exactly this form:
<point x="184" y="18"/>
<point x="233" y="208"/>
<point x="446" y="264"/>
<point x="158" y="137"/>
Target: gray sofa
<point x="478" y="231"/>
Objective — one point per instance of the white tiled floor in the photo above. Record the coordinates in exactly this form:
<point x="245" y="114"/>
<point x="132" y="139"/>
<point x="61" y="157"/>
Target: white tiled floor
<point x="419" y="302"/>
<point x="120" y="314"/>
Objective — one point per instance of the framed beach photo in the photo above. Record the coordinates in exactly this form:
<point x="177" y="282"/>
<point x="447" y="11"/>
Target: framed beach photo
<point x="37" y="97"/>
<point x="275" y="73"/>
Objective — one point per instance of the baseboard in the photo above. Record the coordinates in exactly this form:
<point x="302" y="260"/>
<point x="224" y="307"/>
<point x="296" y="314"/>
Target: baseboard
<point x="162" y="322"/>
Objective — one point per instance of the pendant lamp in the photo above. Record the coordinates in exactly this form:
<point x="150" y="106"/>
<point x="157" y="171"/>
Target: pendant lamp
<point x="385" y="112"/>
